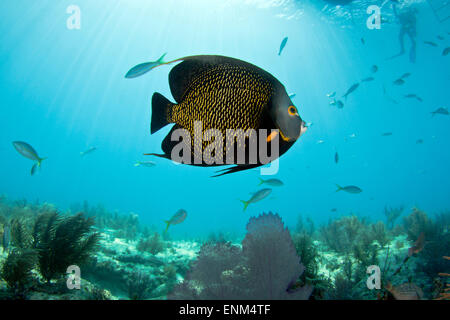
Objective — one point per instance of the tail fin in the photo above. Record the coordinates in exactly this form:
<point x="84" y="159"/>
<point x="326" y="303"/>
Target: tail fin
<point x="161" y="110"/>
<point x="168" y="224"/>
<point x="37" y="165"/>
<point x="246" y="203"/>
<point x="339" y="188"/>
<point x="160" y="60"/>
<point x="261" y="181"/>
<point x="40" y="161"/>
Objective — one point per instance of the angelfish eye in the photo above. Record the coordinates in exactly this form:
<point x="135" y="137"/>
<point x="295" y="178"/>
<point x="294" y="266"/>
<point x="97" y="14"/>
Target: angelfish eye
<point x="292" y="110"/>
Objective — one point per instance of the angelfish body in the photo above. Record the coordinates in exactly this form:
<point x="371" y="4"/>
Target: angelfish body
<point x="177" y="218"/>
<point x="224" y="94"/>
<point x="28" y="152"/>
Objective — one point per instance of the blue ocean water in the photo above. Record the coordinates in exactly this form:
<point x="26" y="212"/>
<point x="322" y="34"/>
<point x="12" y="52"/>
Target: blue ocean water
<point x="63" y="91"/>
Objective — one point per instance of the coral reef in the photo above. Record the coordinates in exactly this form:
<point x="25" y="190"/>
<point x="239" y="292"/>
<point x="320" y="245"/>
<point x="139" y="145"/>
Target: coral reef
<point x="444" y="288"/>
<point x="392" y="214"/>
<point x="153" y="244"/>
<point x="140" y="286"/>
<point x="16" y="270"/>
<point x="62" y="241"/>
<point x="418" y="222"/>
<point x="123" y="259"/>
<point x="266" y="267"/>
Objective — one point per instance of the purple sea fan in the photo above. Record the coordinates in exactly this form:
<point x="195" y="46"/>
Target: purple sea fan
<point x="265" y="268"/>
<point x="272" y="260"/>
<point x="215" y="275"/>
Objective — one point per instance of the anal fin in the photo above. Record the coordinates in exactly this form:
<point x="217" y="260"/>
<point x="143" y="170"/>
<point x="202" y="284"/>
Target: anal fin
<point x="234" y="169"/>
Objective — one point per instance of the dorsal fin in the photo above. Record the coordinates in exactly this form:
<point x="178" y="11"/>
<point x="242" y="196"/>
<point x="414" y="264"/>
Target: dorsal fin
<point x="184" y="73"/>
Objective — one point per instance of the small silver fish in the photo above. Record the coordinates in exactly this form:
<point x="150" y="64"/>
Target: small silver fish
<point x="430" y="43"/>
<point x="374" y="69"/>
<point x="177" y="218"/>
<point x="282" y="45"/>
<point x="90" y="150"/>
<point x="257" y="196"/>
<point x="386" y="134"/>
<point x="34" y="169"/>
<point x="147" y="164"/>
<point x="271" y="182"/>
<point x="331" y="95"/>
<point x="350" y="90"/>
<point x="399" y="82"/>
<point x="349" y="189"/>
<point x="336" y="157"/>
<point x="443" y="111"/>
<point x="413" y="95"/>
<point x="405" y="75"/>
<point x="28" y="151"/>
<point x="446" y="51"/>
<point x="338" y="103"/>
<point x="368" y="79"/>
<point x="143" y="68"/>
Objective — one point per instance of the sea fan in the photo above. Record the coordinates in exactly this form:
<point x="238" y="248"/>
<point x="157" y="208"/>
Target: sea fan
<point x="265" y="268"/>
<point x="272" y="259"/>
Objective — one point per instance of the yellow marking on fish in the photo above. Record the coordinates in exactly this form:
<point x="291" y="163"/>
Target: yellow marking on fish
<point x="284" y="137"/>
<point x="272" y="136"/>
<point x="223" y="97"/>
<point x="293" y="111"/>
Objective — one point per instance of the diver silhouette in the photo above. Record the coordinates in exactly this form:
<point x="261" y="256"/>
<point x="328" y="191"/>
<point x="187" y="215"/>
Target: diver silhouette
<point x="407" y="20"/>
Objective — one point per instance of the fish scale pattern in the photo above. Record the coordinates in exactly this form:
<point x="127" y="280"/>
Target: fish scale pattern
<point x="223" y="97"/>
